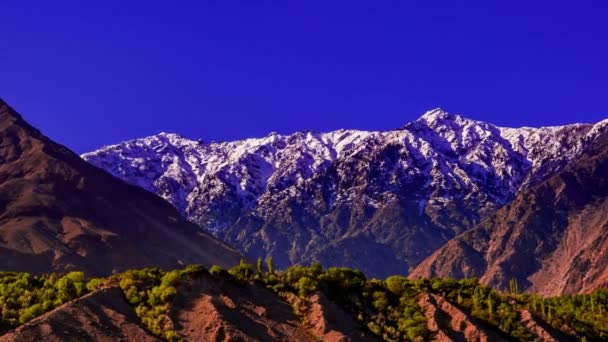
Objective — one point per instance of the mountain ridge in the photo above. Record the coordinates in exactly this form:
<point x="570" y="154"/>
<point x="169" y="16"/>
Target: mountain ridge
<point x="324" y="197"/>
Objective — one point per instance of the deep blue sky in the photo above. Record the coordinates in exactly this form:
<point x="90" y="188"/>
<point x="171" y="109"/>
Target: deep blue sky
<point x="92" y="74"/>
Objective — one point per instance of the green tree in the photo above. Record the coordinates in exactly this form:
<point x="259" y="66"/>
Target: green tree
<point x="259" y="267"/>
<point x="193" y="271"/>
<point x="270" y="265"/>
<point x="490" y="303"/>
<point x="396" y="284"/>
<point x="66" y="289"/>
<point x="380" y="300"/>
<point x="216" y="270"/>
<point x="513" y="288"/>
<point x="306" y="286"/>
<point x="242" y="272"/>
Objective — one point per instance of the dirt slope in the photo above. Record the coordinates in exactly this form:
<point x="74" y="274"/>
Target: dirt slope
<point x="541" y="329"/>
<point x="212" y="309"/>
<point x="58" y="213"/>
<point x="448" y="323"/>
<point x="103" y="315"/>
<point x="328" y="322"/>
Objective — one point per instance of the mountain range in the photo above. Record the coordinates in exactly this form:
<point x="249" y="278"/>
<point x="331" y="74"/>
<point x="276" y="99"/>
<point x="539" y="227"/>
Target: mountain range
<point x="87" y="243"/>
<point x="379" y="201"/>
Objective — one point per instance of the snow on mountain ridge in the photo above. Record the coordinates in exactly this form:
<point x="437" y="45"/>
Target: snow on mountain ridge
<point x="460" y="158"/>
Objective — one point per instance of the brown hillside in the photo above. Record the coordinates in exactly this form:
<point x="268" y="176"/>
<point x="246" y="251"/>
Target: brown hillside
<point x="553" y="238"/>
<point x="212" y="309"/>
<point x="58" y="213"/>
<point x="447" y="323"/>
<point x="103" y="315"/>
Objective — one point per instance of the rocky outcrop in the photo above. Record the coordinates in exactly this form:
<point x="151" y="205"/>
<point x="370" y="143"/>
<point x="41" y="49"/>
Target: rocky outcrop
<point x="328" y="322"/>
<point x="541" y="329"/>
<point x="213" y="309"/>
<point x="447" y="323"/>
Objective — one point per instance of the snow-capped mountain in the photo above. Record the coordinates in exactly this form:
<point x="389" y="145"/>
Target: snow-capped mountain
<point x="380" y="201"/>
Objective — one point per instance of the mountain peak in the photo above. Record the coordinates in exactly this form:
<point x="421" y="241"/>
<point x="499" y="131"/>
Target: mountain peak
<point x="8" y="113"/>
<point x="438" y="115"/>
<point x="170" y="136"/>
<point x="435" y="113"/>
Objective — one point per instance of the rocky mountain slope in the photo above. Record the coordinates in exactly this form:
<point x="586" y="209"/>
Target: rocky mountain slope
<point x="448" y="323"/>
<point x="553" y="238"/>
<point x="103" y="315"/>
<point x="252" y="313"/>
<point x="378" y="201"/>
<point x="59" y="212"/>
